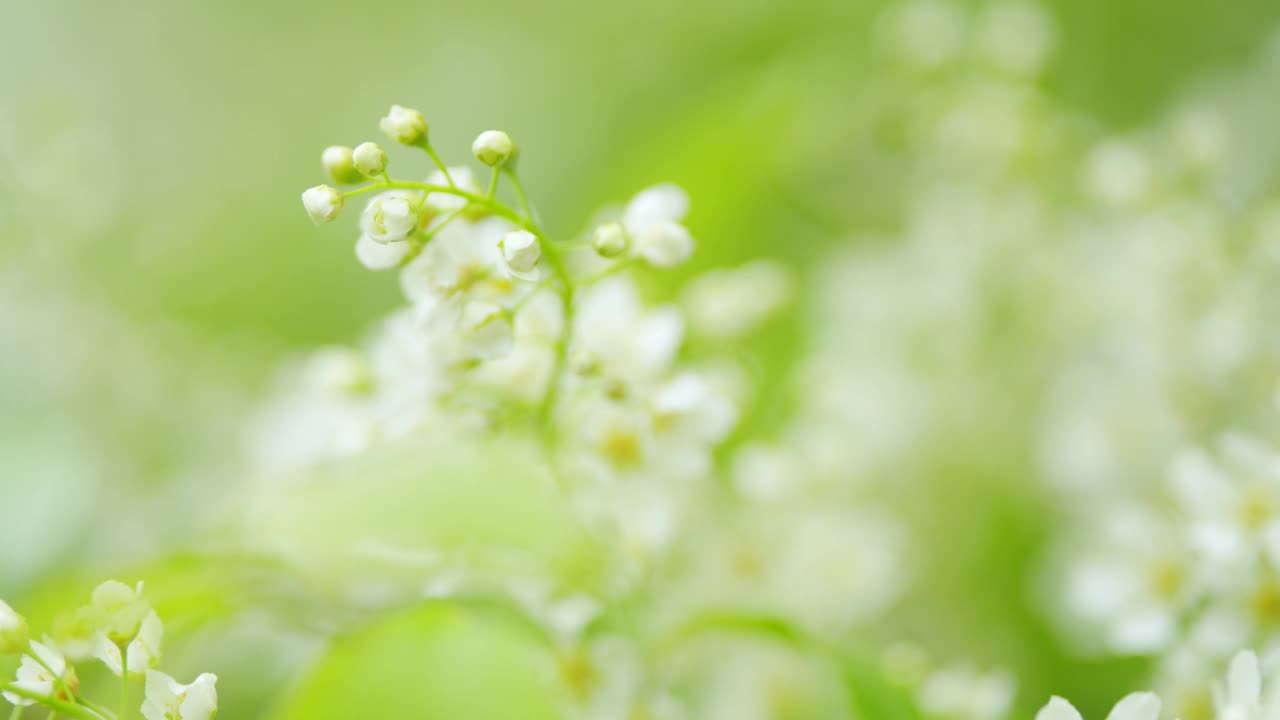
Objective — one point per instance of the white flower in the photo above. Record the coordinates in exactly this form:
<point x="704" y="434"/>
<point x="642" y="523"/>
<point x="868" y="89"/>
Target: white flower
<point x="1118" y="173"/>
<point x="1135" y="706"/>
<point x="629" y="342"/>
<point x="484" y="331"/>
<point x="1233" y="506"/>
<point x="726" y="304"/>
<point x="380" y="256"/>
<point x="322" y="203"/>
<point x="1136" y="583"/>
<point x="144" y="649"/>
<point x="493" y="148"/>
<point x="653" y="218"/>
<point x="963" y="693"/>
<point x="928" y="32"/>
<point x="168" y="699"/>
<point x="610" y="240"/>
<point x="338" y="162"/>
<point x="391" y="216"/>
<point x="14" y="633"/>
<point x="120" y="610"/>
<point x="404" y="125"/>
<point x="40" y="673"/>
<point x="462" y="259"/>
<point x="369" y="159"/>
<point x="341" y="371"/>
<point x="520" y="252"/>
<point x="1016" y="36"/>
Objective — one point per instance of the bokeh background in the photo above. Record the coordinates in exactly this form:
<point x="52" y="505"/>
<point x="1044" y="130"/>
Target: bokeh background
<point x="155" y="270"/>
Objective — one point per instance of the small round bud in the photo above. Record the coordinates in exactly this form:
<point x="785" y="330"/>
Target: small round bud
<point x="493" y="148"/>
<point x="404" y="125"/>
<point x="369" y="159"/>
<point x="610" y="240"/>
<point x="521" y="251"/>
<point x="322" y="203"/>
<point x="14" y="632"/>
<point x="337" y="161"/>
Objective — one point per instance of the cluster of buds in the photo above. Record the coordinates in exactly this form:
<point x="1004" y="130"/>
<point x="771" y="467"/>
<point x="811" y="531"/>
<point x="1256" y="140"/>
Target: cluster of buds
<point x="117" y="627"/>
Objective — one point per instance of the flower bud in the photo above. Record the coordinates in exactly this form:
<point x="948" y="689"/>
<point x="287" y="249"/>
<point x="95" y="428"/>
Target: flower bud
<point x="520" y="249"/>
<point x="338" y="163"/>
<point x="322" y="203"/>
<point x="404" y="125"/>
<point x="665" y="244"/>
<point x="369" y="159"/>
<point x="14" y="632"/>
<point x="493" y="148"/>
<point x="390" y="216"/>
<point x="610" y="240"/>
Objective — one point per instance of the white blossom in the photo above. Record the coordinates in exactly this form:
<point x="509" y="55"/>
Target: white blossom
<point x="652" y="219"/>
<point x="143" y="650"/>
<point x="41" y="672"/>
<point x="391" y="216"/>
<point x="168" y="699"/>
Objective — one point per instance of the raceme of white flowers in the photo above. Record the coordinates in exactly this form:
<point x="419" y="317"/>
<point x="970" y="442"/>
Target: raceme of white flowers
<point x="1141" y="358"/>
<point x="119" y="628"/>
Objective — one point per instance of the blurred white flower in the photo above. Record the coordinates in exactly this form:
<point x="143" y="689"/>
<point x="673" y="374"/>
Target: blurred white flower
<point x="42" y="671"/>
<point x="143" y="650"/>
<point x="963" y="693"/>
<point x="14" y="632"/>
<point x="652" y="219"/>
<point x="376" y="255"/>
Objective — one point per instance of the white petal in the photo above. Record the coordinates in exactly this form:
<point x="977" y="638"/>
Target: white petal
<point x="378" y="256"/>
<point x="1136" y="706"/>
<point x="1244" y="679"/>
<point x="1058" y="709"/>
<point x="657" y="204"/>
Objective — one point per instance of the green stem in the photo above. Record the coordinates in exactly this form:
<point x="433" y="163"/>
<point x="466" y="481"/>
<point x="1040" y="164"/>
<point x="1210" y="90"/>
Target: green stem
<point x="493" y="183"/>
<point x="17" y="713"/>
<point x="524" y="200"/>
<point x="124" y="682"/>
<point x="435" y="157"/>
<point x="54" y="704"/>
<point x="96" y="708"/>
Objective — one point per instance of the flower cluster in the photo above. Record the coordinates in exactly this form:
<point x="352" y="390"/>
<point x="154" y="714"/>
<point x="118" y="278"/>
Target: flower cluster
<point x="119" y="628"/>
<point x="507" y="330"/>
